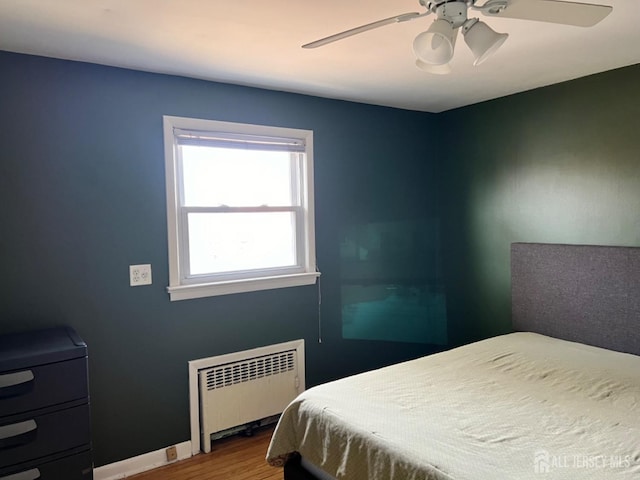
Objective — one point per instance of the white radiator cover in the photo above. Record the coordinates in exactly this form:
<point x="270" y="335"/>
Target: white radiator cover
<point x="244" y="387"/>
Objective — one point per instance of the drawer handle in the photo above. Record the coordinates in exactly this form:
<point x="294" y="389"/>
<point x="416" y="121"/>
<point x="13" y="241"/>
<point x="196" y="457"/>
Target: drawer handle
<point x="17" y="433"/>
<point x="32" y="474"/>
<point x="15" y="383"/>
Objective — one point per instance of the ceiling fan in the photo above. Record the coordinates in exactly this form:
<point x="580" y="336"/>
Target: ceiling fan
<point x="434" y="48"/>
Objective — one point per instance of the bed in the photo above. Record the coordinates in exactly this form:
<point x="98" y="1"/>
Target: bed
<point x="558" y="398"/>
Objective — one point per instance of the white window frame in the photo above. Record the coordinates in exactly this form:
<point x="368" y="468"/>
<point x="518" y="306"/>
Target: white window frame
<point x="182" y="288"/>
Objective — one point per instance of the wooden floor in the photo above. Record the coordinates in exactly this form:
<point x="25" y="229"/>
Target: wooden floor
<point x="232" y="458"/>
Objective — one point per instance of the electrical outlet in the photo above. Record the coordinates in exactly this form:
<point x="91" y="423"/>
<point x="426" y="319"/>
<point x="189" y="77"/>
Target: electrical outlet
<point x="139" y="275"/>
<point x="172" y="454"/>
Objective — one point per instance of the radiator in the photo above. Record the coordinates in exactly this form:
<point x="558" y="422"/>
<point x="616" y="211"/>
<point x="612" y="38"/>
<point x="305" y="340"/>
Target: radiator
<point x="246" y="387"/>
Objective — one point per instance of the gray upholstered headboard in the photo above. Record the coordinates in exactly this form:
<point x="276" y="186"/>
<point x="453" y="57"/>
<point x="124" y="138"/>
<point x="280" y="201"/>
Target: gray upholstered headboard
<point x="581" y="293"/>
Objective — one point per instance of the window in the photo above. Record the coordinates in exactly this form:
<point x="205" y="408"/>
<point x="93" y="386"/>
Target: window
<point x="239" y="207"/>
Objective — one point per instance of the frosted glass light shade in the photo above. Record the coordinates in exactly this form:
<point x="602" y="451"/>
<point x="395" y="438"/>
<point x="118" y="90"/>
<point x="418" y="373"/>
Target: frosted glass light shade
<point x="435" y="46"/>
<point x="483" y="41"/>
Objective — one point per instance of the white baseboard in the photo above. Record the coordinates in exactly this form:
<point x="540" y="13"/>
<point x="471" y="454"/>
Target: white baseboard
<point x="139" y="464"/>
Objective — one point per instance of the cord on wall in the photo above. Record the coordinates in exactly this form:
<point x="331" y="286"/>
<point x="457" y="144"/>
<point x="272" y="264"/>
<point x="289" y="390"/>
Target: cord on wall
<point x="319" y="308"/>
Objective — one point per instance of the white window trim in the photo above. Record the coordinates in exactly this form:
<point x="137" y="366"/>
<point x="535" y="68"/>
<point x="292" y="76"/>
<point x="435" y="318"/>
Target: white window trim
<point x="180" y="290"/>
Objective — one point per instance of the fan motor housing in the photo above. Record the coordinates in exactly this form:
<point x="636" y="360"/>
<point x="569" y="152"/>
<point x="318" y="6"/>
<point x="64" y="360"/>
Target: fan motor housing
<point x="453" y="12"/>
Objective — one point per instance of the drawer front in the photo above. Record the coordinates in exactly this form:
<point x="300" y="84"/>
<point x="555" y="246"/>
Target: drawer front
<point x="43" y="435"/>
<point x="43" y="386"/>
<point x="75" y="467"/>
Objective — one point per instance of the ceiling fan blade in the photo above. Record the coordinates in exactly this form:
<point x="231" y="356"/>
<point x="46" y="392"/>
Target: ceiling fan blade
<point x="363" y="28"/>
<point x="553" y="11"/>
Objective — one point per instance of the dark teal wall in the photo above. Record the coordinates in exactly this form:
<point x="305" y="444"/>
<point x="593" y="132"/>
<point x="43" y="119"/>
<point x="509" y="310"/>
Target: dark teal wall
<point x="83" y="196"/>
<point x="559" y="164"/>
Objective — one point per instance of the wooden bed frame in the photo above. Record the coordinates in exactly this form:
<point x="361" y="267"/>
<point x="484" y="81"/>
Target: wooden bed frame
<point x="580" y="293"/>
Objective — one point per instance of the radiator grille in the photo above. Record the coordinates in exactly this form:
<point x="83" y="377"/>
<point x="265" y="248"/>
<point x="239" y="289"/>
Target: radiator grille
<point x="251" y="369"/>
<point x="242" y="389"/>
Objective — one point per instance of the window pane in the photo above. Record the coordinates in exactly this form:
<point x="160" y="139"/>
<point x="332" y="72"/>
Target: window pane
<point x="228" y="242"/>
<point x="238" y="178"/>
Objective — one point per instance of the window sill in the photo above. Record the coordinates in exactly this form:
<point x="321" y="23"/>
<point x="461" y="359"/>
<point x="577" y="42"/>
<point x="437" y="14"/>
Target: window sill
<point x="186" y="292"/>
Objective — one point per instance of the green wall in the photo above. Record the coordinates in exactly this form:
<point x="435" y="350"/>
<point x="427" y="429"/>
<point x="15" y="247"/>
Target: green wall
<point x="558" y="165"/>
<point x="82" y="190"/>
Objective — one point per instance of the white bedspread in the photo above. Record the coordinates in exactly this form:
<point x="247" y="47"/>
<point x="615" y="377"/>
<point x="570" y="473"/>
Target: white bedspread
<point x="518" y="406"/>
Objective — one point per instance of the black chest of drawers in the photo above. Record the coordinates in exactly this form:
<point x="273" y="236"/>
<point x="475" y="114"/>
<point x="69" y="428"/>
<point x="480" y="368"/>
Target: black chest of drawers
<point x="44" y="406"/>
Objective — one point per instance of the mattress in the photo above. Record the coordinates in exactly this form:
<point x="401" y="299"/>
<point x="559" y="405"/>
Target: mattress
<point x="516" y="406"/>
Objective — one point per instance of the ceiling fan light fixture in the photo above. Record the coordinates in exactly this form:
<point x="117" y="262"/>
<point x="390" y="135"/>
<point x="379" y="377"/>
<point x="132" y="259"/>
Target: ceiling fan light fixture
<point x="481" y="39"/>
<point x="444" y="69"/>
<point x="435" y="46"/>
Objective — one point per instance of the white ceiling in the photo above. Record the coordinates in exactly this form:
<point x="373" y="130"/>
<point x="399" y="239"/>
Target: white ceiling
<point x="257" y="43"/>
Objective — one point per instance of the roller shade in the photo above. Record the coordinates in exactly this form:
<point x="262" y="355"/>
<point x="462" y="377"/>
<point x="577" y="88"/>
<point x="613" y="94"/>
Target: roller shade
<point x="239" y="141"/>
